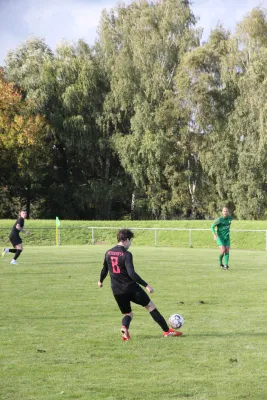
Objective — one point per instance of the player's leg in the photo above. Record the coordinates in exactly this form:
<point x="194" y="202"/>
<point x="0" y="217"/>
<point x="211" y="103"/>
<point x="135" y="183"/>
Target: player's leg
<point x="125" y="325"/>
<point x="155" y="314"/>
<point x="141" y="297"/>
<point x="124" y="304"/>
<point x="226" y="257"/>
<point x="221" y="255"/>
<point x="158" y="317"/>
<point x="222" y="251"/>
<point x="7" y="250"/>
<point x="19" y="249"/>
<point x="15" y="240"/>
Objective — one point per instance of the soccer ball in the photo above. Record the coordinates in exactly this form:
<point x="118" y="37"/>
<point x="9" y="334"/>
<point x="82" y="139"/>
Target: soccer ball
<point x="176" y="321"/>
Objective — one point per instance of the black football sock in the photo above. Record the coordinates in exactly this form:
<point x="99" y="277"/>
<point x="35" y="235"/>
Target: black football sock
<point x="18" y="252"/>
<point x="159" y="319"/>
<point x="12" y="250"/>
<point x="126" y="320"/>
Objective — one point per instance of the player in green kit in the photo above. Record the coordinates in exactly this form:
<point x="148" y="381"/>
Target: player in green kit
<point x="222" y="236"/>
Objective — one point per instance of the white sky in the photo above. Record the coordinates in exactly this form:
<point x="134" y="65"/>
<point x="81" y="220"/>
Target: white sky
<point x="55" y="20"/>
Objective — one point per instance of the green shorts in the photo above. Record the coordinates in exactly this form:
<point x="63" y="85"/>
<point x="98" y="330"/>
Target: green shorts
<point x="223" y="242"/>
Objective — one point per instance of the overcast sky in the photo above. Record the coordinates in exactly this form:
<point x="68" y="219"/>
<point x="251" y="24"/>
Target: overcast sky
<point x="55" y="20"/>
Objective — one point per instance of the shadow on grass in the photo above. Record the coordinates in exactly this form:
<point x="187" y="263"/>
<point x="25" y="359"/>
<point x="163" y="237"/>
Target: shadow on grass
<point x="160" y="337"/>
<point x="230" y="334"/>
<point x="30" y="273"/>
<point x="215" y="334"/>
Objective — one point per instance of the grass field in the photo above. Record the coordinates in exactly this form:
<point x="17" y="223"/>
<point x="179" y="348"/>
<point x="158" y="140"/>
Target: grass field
<point x="80" y="232"/>
<point x="60" y="333"/>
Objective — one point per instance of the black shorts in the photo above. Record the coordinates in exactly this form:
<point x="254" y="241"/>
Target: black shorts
<point x="138" y="297"/>
<point x="15" y="239"/>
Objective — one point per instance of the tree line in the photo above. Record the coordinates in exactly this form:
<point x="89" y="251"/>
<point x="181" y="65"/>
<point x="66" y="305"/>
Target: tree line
<point x="148" y="123"/>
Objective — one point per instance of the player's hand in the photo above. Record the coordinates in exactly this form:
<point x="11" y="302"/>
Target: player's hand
<point x="215" y="237"/>
<point x="149" y="289"/>
<point x="100" y="284"/>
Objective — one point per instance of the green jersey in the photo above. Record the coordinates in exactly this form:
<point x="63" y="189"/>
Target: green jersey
<point x="223" y="227"/>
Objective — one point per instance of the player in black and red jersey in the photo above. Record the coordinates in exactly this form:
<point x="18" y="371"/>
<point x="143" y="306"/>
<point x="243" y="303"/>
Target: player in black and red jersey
<point x="15" y="238"/>
<point x="125" y="285"/>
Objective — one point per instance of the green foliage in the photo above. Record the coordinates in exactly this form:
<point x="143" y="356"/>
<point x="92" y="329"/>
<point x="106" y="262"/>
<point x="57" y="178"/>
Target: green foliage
<point x="226" y="104"/>
<point x="247" y="123"/>
<point x="23" y="145"/>
<point x="143" y="43"/>
<point x="83" y="168"/>
<point x="147" y="123"/>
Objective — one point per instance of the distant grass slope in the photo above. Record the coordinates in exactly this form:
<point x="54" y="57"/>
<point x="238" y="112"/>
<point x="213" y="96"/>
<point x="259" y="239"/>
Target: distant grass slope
<point x="80" y="232"/>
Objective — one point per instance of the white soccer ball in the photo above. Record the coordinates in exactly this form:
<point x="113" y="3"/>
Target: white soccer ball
<point x="176" y="321"/>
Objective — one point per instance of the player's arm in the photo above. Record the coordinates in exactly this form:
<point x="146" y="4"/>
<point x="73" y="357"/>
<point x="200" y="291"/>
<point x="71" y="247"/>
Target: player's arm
<point x="213" y="226"/>
<point x="20" y="228"/>
<point x="131" y="272"/>
<point x="103" y="273"/>
<point x="19" y="225"/>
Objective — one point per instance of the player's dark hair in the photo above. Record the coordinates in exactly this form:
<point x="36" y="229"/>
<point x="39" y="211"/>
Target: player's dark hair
<point x="124" y="234"/>
<point x="22" y="210"/>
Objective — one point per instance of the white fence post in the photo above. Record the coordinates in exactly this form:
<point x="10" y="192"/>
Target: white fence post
<point x="190" y="238"/>
<point x="93" y="236"/>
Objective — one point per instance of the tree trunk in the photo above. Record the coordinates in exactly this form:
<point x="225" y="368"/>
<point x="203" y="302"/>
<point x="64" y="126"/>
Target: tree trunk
<point x="133" y="206"/>
<point x="28" y="200"/>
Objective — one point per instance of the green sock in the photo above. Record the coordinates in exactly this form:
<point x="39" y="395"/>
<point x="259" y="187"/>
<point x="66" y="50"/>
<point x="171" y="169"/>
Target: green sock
<point x="226" y="258"/>
<point x="221" y="259"/>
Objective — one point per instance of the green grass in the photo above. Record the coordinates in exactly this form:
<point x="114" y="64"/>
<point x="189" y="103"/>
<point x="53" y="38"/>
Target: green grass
<point x="80" y="232"/>
<point x="60" y="333"/>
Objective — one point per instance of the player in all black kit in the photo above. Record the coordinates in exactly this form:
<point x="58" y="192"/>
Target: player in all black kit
<point x="125" y="285"/>
<point x="15" y="239"/>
